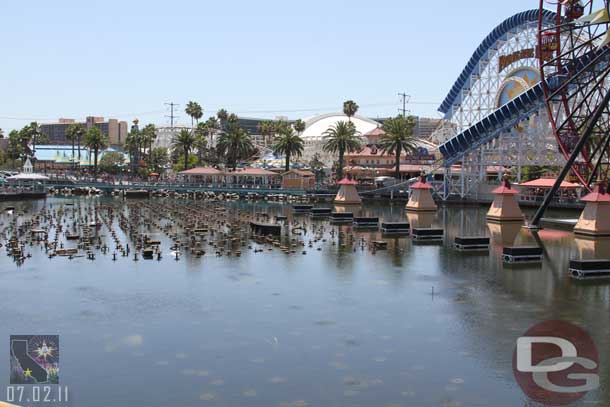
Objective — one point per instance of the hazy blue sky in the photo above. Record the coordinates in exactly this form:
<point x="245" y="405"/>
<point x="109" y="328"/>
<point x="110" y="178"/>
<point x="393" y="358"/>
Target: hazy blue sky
<point x="124" y="59"/>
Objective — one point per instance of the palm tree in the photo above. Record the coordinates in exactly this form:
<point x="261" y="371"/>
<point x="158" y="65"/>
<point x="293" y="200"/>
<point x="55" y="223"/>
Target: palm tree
<point x="34" y="135"/>
<point x="299" y="126"/>
<point x="341" y="138"/>
<point x="212" y="126"/>
<point x="398" y="137"/>
<point x="148" y="137"/>
<point x="184" y="141"/>
<point x="266" y="128"/>
<point x="235" y="144"/>
<point x="350" y="108"/>
<point x="288" y="143"/>
<point x="95" y="140"/>
<point x="71" y="136"/>
<point x="75" y="133"/>
<point x="194" y="110"/>
<point x="222" y="115"/>
<point x="200" y="141"/>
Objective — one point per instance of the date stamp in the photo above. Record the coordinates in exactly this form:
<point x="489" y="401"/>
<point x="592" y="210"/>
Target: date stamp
<point x="34" y="375"/>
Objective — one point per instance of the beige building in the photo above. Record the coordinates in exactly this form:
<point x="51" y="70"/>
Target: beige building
<point x="115" y="130"/>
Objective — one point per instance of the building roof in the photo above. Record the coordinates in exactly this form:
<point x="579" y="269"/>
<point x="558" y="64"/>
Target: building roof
<point x="410" y="168"/>
<point x="548" y="183"/>
<point x="376" y="132"/>
<point x="316" y="126"/>
<point x="251" y="171"/>
<point x="303" y="173"/>
<point x="28" y="177"/>
<point x="202" y="171"/>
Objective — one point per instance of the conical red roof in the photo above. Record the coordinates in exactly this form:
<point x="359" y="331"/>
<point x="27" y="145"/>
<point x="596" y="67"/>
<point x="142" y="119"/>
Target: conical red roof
<point x="505" y="189"/>
<point x="598" y="195"/>
<point x="347" y="181"/>
<point x="421" y="184"/>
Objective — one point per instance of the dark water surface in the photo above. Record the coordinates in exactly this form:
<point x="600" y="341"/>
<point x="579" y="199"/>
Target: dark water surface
<point x="416" y="325"/>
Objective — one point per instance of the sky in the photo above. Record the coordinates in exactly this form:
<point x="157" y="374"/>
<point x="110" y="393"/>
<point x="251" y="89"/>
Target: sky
<point x="125" y="59"/>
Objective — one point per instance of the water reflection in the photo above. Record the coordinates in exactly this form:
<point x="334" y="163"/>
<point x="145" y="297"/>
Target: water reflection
<point x="342" y="324"/>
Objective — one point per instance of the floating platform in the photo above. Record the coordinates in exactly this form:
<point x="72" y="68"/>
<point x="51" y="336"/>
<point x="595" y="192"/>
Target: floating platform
<point x="302" y="208"/>
<point x="320" y="212"/>
<point x="472" y="244"/>
<point x="137" y="194"/>
<point x="590" y="269"/>
<point x="342" y="217"/>
<point x="265" y="229"/>
<point x="148" y="253"/>
<point x="380" y="245"/>
<point x="366" y="222"/>
<point x="396" y="228"/>
<point x="522" y="254"/>
<point x="428" y="234"/>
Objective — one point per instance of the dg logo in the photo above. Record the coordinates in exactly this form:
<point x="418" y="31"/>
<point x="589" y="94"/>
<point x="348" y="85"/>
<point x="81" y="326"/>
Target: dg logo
<point x="556" y="363"/>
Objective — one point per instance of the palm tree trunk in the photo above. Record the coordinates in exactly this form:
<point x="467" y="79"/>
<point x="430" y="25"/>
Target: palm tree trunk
<point x="287" y="162"/>
<point x="340" y="169"/>
<point x="95" y="161"/>
<point x="398" y="152"/>
<point x="186" y="159"/>
<point x="73" y="163"/>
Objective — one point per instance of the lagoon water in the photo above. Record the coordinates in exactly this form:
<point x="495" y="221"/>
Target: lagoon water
<point x="416" y="325"/>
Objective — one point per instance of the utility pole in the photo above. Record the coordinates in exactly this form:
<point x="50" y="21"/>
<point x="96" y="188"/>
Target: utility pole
<point x="171" y="115"/>
<point x="405" y="99"/>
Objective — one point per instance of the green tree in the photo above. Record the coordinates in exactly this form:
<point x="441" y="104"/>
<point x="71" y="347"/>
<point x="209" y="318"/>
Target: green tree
<point x="223" y="116"/>
<point x="17" y="145"/>
<point x="148" y="135"/>
<point x="341" y="138"/>
<point x="34" y="135"/>
<point x="288" y="143"/>
<point x="195" y="111"/>
<point x="299" y="126"/>
<point x="95" y="140"/>
<point x="317" y="166"/>
<point x="266" y="128"/>
<point x="184" y="142"/>
<point x="201" y="142"/>
<point x="398" y="137"/>
<point x="350" y="108"/>
<point x="111" y="162"/>
<point x="234" y="144"/>
<point x="211" y="127"/>
<point x="181" y="164"/>
<point x="1" y="133"/>
<point x="159" y="158"/>
<point x="74" y="134"/>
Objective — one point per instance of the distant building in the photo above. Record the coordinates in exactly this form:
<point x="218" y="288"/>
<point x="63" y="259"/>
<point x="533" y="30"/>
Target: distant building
<point x="115" y="130"/>
<point x="424" y="127"/>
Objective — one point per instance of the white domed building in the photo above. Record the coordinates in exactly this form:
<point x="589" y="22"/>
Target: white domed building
<point x="313" y="136"/>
